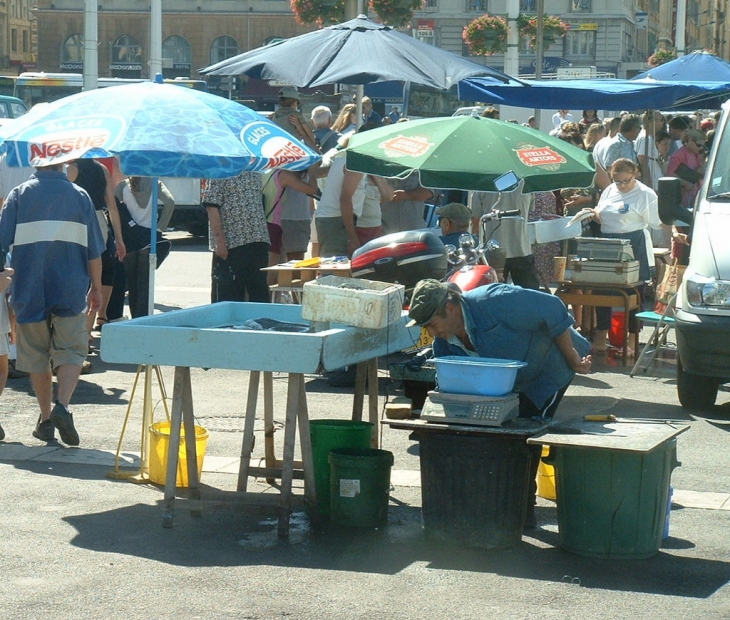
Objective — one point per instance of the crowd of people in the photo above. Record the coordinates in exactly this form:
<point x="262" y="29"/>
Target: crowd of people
<point x="330" y="211"/>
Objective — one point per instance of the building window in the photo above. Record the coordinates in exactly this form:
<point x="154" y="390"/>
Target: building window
<point x="580" y="43"/>
<point x="72" y="54"/>
<point x="176" y="57"/>
<point x="222" y="48"/>
<point x="528" y="6"/>
<point x="480" y="6"/>
<point x="580" y="6"/>
<point x="126" y="58"/>
<point x="432" y="5"/>
<point x="14" y="40"/>
<point x="25" y="41"/>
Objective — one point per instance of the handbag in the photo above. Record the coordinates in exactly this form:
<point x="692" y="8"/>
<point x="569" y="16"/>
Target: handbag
<point x="686" y="173"/>
<point x="669" y="286"/>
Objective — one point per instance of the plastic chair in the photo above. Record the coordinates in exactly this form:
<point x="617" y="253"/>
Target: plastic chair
<point x="658" y="339"/>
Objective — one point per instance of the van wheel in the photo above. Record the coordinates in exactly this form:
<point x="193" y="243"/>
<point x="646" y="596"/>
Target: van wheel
<point x="695" y="391"/>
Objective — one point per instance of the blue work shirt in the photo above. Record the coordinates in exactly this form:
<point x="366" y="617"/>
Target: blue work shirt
<point x="54" y="233"/>
<point x="514" y="323"/>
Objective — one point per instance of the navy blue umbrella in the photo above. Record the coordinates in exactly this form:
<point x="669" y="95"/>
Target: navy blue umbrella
<point x="359" y="51"/>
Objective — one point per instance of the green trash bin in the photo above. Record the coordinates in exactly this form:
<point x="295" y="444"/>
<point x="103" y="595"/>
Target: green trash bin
<point x="613" y="503"/>
<point x="328" y="435"/>
<point x="360" y="486"/>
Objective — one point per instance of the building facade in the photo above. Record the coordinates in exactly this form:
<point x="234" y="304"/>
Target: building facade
<point x="18" y="39"/>
<point x="612" y="36"/>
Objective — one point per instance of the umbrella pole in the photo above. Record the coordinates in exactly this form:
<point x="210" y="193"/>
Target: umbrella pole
<point x="153" y="249"/>
<point x="359" y="91"/>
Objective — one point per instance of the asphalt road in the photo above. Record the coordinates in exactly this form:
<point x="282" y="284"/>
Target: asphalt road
<point x="77" y="544"/>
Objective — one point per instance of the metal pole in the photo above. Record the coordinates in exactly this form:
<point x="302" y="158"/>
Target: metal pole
<point x="155" y="61"/>
<point x="512" y="56"/>
<point x="680" y="26"/>
<point x="539" y="48"/>
<point x="91" y="45"/>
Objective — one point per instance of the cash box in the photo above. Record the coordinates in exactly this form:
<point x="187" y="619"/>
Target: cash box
<point x="605" y="272"/>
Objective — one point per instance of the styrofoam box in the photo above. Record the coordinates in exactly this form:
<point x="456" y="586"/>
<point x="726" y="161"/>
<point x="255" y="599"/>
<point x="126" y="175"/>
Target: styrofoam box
<point x="350" y="301"/>
<point x="484" y="376"/>
<point x="605" y="272"/>
<point x="546" y="231"/>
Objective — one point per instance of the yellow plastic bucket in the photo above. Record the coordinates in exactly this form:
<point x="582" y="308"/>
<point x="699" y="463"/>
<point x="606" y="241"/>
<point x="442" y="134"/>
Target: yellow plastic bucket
<point x="160" y="446"/>
<point x="545" y="477"/>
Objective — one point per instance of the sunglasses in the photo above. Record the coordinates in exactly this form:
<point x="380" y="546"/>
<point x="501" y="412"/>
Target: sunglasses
<point x="624" y="182"/>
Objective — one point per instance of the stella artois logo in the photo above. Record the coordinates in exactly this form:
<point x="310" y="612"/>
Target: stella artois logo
<point x="540" y="156"/>
<point x="410" y="146"/>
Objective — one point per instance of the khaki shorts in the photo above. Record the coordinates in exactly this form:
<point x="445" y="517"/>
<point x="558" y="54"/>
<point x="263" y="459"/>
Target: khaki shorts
<point x="48" y="344"/>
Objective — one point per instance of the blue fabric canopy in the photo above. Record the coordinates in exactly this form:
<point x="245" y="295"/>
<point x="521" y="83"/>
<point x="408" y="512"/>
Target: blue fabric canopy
<point x="592" y="94"/>
<point x="694" y="67"/>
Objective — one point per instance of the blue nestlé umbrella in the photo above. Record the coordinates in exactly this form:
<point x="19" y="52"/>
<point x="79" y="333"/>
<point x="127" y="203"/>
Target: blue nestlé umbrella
<point x="155" y="130"/>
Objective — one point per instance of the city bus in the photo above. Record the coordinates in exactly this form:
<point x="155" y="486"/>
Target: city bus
<point x="35" y="88"/>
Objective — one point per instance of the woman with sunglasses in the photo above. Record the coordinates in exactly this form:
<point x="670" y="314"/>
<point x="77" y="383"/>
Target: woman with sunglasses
<point x="627" y="210"/>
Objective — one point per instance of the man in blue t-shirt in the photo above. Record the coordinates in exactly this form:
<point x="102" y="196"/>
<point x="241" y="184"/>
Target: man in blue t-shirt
<point x="50" y="226"/>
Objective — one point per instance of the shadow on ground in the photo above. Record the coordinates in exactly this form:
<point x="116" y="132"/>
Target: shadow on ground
<point x="228" y="536"/>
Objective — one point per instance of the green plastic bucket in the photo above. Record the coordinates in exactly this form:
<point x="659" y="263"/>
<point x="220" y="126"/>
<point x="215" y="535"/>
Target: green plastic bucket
<point x="613" y="503"/>
<point x="328" y="435"/>
<point x="360" y="486"/>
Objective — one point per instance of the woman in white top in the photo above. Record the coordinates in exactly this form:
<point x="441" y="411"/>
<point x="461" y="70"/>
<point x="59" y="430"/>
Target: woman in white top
<point x="137" y="196"/>
<point x="627" y="210"/>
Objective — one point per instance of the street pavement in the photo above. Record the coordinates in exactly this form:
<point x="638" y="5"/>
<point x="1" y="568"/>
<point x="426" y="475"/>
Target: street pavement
<point x="78" y="543"/>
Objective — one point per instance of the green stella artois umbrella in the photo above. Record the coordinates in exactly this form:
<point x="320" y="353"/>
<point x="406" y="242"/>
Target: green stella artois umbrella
<point x="468" y="153"/>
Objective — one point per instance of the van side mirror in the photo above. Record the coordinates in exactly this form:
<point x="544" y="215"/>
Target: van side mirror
<point x="669" y="194"/>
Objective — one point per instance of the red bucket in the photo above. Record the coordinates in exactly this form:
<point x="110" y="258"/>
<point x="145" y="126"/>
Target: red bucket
<point x="616" y="333"/>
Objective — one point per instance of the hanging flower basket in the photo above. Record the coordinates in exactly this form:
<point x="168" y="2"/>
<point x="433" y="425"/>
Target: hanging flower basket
<point x="660" y="57"/>
<point x="320" y="12"/>
<point x="552" y="28"/>
<point x="486" y="35"/>
<point x="396" y="13"/>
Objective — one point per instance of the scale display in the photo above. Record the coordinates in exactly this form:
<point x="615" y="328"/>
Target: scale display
<point x="468" y="409"/>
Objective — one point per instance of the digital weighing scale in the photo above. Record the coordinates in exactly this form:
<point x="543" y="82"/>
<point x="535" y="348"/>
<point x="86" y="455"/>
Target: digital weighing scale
<point x="470" y="409"/>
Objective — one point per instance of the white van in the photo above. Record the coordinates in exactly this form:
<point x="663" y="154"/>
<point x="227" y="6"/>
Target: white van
<point x="703" y="302"/>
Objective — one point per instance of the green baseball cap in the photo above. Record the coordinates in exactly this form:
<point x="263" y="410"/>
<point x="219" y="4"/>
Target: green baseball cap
<point x="428" y="296"/>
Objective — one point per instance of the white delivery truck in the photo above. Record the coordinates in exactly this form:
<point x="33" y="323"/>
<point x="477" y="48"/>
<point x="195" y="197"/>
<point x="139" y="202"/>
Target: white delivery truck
<point x="702" y="319"/>
<point x="189" y="213"/>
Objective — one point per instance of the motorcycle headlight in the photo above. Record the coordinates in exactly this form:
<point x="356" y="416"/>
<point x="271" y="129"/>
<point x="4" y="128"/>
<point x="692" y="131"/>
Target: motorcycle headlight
<point x="708" y="292"/>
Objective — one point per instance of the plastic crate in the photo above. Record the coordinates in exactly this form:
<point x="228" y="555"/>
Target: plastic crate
<point x="350" y="301"/>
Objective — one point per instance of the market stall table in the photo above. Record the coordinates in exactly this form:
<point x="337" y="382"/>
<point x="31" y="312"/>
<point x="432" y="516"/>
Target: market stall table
<point x="291" y="279"/>
<point x="612" y="484"/>
<point x="474" y="479"/>
<point x="211" y="337"/>
<point x="594" y="294"/>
